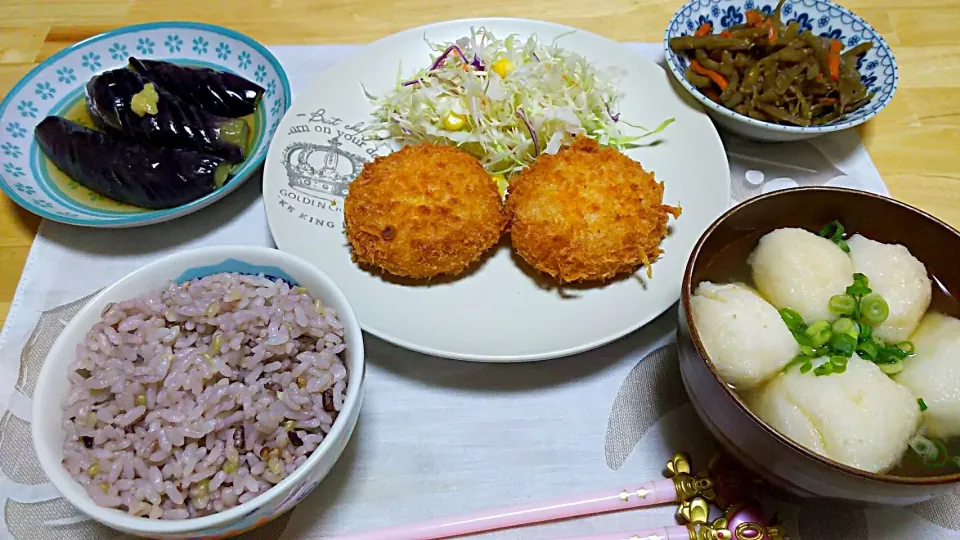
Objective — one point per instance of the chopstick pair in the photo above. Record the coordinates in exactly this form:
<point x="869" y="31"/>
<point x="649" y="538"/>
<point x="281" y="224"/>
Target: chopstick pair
<point x="694" y="493"/>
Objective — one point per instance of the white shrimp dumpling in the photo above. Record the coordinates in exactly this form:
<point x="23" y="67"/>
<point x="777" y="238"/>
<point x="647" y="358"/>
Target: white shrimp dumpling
<point x="933" y="374"/>
<point x="744" y="335"/>
<point x="796" y="269"/>
<point x="899" y="278"/>
<point x="860" y="417"/>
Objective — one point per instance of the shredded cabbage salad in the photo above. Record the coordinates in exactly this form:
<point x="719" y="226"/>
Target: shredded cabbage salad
<point x="505" y="101"/>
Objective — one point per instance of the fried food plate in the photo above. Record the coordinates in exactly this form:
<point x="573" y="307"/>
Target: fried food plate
<point x="501" y="311"/>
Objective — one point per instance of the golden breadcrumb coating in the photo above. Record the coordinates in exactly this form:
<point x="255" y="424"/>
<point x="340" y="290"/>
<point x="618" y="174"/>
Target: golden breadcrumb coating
<point x="587" y="213"/>
<point x="424" y="211"/>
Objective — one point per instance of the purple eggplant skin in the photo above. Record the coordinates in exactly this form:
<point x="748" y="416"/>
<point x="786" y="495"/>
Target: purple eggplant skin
<point x="127" y="171"/>
<point x="217" y="92"/>
<point x="176" y="123"/>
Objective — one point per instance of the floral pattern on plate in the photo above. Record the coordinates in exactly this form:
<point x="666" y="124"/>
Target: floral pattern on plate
<point x="56" y="85"/>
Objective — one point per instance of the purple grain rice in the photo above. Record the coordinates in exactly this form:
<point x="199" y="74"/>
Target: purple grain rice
<point x="199" y="397"/>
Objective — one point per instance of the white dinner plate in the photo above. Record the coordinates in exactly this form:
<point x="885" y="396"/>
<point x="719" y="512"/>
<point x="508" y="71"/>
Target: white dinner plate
<point x="498" y="313"/>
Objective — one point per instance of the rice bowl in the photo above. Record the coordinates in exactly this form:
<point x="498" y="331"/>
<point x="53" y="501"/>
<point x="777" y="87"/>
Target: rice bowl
<point x="210" y="391"/>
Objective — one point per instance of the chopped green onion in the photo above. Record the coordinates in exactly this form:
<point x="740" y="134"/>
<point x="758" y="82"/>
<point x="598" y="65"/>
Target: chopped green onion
<point x="791" y="318"/>
<point x="924" y="448"/>
<point x="956" y="461"/>
<point x="891" y="354"/>
<point x="843" y="304"/>
<point x="922" y="404"/>
<point x="892" y="368"/>
<point x="866" y="332"/>
<point x="860" y="287"/>
<point x="844" y="325"/>
<point x="831" y="230"/>
<point x="834" y="233"/>
<point x="823" y="369"/>
<point x="874" y="309"/>
<point x="843" y="344"/>
<point x="907" y="347"/>
<point x="802" y="338"/>
<point x="838" y="364"/>
<point x="799" y="360"/>
<point x="868" y="350"/>
<point x="819" y="333"/>
<point x="943" y="456"/>
<point x="807" y="350"/>
<point x="806" y="367"/>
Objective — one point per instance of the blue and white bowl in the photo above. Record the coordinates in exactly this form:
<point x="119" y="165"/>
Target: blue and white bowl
<point x="52" y="385"/>
<point x="56" y="87"/>
<point x="878" y="68"/>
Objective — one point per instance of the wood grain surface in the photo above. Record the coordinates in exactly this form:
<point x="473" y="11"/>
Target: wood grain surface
<point x="914" y="142"/>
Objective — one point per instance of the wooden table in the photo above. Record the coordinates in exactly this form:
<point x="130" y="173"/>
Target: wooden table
<point x="914" y="143"/>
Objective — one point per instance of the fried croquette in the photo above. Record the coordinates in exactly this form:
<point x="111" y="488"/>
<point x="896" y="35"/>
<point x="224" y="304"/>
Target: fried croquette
<point x="424" y="211"/>
<point x="587" y="213"/>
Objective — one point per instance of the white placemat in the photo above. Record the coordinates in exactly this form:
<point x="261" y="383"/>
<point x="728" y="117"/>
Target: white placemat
<point x="438" y="436"/>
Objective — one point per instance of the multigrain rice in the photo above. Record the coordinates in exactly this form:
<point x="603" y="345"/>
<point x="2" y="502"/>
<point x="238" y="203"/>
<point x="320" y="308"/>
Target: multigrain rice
<point x="197" y="398"/>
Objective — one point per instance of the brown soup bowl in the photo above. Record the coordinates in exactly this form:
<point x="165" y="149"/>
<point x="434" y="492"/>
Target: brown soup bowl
<point x="725" y="245"/>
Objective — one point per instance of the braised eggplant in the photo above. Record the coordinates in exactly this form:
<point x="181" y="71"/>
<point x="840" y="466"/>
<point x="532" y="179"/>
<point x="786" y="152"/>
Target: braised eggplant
<point x="217" y="92"/>
<point x="135" y="173"/>
<point x="122" y="101"/>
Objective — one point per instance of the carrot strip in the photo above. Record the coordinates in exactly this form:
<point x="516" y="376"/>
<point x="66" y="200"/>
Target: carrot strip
<point x="726" y="34"/>
<point x="754" y="17"/>
<point x="833" y="59"/>
<point x="703" y="30"/>
<point x="772" y="32"/>
<point x="713" y="75"/>
<point x="712" y="94"/>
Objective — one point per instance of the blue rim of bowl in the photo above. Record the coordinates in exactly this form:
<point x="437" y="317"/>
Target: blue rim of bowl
<point x="733" y="115"/>
<point x="248" y="167"/>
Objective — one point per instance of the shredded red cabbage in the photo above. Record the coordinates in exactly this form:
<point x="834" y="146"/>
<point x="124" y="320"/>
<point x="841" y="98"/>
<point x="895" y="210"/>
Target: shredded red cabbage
<point x="440" y="59"/>
<point x="477" y="64"/>
<point x="614" y="117"/>
<point x="533" y="132"/>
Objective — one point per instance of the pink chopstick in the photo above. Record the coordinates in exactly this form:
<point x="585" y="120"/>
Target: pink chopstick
<point x="674" y="532"/>
<point x="649" y="494"/>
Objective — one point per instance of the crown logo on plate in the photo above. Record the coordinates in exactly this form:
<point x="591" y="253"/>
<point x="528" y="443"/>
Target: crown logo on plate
<point x="321" y="169"/>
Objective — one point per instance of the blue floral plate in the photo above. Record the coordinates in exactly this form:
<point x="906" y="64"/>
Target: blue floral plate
<point x="56" y="87"/>
<point x="878" y="69"/>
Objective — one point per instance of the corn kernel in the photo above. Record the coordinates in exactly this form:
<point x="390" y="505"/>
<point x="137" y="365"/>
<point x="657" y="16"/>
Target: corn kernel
<point x="104" y="487"/>
<point x="289" y="424"/>
<point x="94" y="469"/>
<point x="502" y="67"/>
<point x="141" y="400"/>
<point x="501" y="182"/>
<point x="454" y="121"/>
